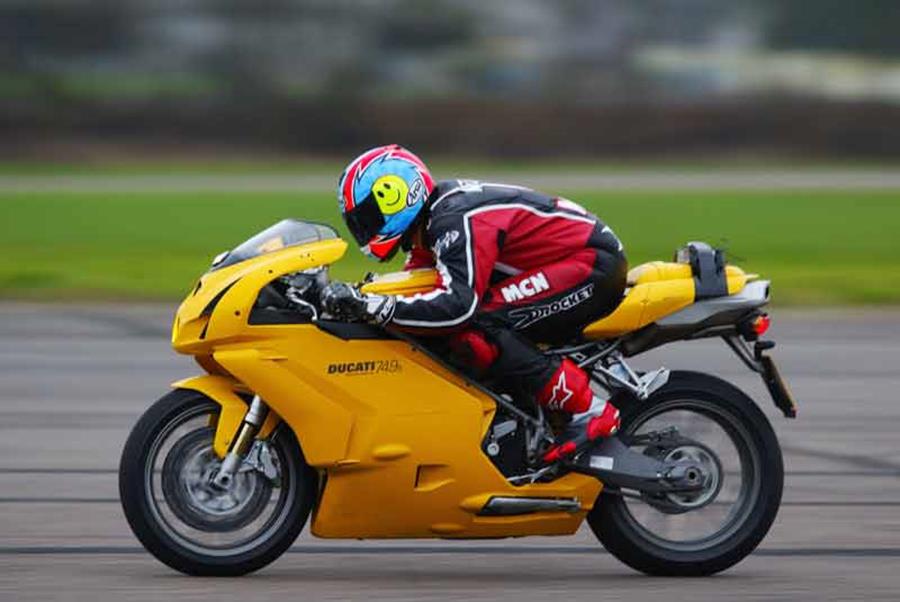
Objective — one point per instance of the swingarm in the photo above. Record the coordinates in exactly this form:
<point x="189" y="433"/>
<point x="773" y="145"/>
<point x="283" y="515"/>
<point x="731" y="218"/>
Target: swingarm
<point x="656" y="471"/>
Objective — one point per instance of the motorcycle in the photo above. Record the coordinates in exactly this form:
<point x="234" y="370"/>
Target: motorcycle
<point x="377" y="435"/>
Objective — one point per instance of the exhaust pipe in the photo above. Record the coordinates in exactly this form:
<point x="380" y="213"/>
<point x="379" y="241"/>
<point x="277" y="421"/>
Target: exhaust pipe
<point x="512" y="506"/>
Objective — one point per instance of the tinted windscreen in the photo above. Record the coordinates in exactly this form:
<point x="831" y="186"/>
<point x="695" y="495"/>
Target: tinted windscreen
<point x="286" y="233"/>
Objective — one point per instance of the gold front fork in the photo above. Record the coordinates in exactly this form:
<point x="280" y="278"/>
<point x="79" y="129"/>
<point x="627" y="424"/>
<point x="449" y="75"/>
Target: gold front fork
<point x="253" y="420"/>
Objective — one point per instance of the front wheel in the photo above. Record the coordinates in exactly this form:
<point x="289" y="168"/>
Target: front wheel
<point x="701" y="533"/>
<point x="182" y="518"/>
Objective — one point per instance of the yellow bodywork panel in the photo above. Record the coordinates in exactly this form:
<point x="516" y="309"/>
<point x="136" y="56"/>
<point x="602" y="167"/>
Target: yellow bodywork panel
<point x="657" y="289"/>
<point x="643" y="304"/>
<point x="398" y="435"/>
<point x="236" y="287"/>
<point x="654" y="271"/>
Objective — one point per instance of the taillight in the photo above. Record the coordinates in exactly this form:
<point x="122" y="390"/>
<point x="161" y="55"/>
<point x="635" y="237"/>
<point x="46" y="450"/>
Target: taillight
<point x="761" y="324"/>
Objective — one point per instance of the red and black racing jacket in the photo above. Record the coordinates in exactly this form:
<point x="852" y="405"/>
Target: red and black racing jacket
<point x="480" y="234"/>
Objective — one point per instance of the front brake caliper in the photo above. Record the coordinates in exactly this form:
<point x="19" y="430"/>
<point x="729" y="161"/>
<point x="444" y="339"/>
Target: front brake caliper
<point x="260" y="459"/>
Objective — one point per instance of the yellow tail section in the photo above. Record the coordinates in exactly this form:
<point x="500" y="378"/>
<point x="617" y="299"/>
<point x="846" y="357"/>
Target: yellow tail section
<point x="656" y="289"/>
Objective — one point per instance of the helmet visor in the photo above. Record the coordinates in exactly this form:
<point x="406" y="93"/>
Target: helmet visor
<point x="365" y="221"/>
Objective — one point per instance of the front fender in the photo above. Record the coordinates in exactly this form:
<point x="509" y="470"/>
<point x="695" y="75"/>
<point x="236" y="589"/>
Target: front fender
<point x="223" y="391"/>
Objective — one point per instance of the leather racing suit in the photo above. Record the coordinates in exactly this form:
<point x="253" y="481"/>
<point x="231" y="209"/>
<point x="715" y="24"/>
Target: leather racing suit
<point x="516" y="268"/>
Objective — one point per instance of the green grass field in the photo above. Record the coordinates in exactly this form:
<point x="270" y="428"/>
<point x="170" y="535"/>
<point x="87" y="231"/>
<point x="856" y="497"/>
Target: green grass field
<point x="186" y="164"/>
<point x="817" y="247"/>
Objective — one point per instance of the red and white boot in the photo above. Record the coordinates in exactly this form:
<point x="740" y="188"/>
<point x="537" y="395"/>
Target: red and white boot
<point x="592" y="418"/>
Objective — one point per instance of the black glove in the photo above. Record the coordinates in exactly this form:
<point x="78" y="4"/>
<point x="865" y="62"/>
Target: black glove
<point x="344" y="302"/>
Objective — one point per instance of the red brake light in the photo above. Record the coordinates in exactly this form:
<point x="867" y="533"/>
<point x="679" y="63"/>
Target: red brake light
<point x="761" y="324"/>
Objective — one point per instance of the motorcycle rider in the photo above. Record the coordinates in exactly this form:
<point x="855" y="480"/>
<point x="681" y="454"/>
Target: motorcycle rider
<point x="515" y="268"/>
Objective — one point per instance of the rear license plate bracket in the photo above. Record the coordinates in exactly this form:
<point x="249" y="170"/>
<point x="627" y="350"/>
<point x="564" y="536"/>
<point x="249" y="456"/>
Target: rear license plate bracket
<point x="781" y="395"/>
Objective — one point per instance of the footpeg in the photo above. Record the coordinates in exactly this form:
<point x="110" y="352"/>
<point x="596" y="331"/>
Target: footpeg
<point x="620" y="375"/>
<point x="605" y="424"/>
<point x="558" y="452"/>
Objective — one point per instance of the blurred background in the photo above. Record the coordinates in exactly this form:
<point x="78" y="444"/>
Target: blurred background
<point x="140" y="138"/>
<point x="531" y="78"/>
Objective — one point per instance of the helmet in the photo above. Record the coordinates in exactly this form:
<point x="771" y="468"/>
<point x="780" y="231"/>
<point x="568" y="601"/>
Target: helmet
<point x="380" y="194"/>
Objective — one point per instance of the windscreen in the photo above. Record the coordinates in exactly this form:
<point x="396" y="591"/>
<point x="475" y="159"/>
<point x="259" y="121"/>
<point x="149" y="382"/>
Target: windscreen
<point x="286" y="233"/>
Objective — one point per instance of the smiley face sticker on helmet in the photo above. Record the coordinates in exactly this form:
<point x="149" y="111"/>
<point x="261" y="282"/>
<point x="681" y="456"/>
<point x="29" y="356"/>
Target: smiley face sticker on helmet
<point x="382" y="192"/>
<point x="391" y="193"/>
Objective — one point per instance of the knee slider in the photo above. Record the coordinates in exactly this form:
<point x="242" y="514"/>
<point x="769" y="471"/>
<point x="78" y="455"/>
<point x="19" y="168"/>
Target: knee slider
<point x="568" y="390"/>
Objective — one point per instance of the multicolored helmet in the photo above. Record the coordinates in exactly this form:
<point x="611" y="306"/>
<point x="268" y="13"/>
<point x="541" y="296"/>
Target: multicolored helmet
<point x="380" y="195"/>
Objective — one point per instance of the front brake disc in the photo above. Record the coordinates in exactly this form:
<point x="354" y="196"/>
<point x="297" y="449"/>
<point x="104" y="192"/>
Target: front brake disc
<point x="188" y="490"/>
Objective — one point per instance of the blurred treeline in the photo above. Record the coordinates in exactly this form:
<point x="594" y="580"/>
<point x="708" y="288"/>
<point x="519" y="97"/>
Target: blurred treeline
<point x="474" y="77"/>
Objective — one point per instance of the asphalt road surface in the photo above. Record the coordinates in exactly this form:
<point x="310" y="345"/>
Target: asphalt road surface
<point x="73" y="380"/>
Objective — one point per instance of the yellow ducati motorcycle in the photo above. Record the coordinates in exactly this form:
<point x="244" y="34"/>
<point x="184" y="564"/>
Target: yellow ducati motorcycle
<point x="376" y="434"/>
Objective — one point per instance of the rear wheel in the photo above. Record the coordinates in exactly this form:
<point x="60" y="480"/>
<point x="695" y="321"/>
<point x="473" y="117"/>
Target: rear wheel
<point x="182" y="518"/>
<point x="722" y="430"/>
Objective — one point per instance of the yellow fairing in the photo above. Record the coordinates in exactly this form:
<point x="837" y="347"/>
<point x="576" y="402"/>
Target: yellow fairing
<point x="396" y="436"/>
<point x="656" y="289"/>
<point x="218" y="306"/>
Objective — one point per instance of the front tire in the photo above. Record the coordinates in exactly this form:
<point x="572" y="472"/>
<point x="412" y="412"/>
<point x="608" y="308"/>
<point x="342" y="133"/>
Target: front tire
<point x="167" y="515"/>
<point x="613" y="519"/>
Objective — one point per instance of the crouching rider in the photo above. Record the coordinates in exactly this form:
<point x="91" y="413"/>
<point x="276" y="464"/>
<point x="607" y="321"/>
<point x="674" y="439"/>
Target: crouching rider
<point x="516" y="268"/>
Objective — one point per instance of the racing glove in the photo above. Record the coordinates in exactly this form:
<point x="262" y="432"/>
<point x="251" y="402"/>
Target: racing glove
<point x="344" y="302"/>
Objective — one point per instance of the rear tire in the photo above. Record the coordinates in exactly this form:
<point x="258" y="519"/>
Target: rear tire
<point x="621" y="536"/>
<point x="135" y="490"/>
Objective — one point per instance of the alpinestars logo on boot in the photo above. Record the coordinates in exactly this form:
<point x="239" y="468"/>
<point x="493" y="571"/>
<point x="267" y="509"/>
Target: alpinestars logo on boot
<point x="526" y="287"/>
<point x="527" y="316"/>
<point x="561" y="394"/>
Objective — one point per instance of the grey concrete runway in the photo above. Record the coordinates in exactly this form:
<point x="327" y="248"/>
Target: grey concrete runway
<point x="73" y="379"/>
